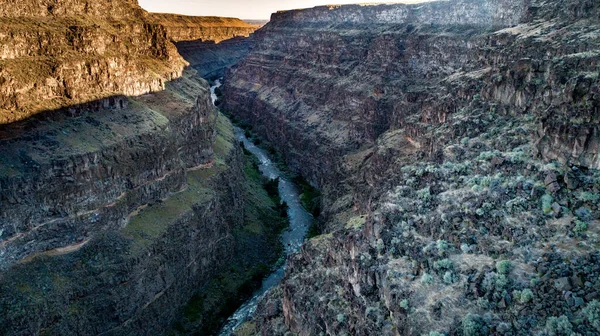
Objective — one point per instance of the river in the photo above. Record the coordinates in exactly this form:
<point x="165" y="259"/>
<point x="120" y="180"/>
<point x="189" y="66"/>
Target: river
<point x="292" y="238"/>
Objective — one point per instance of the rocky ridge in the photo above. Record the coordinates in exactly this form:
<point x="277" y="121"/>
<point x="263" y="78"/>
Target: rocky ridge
<point x="457" y="159"/>
<point x="62" y="53"/>
<point x="205" y="28"/>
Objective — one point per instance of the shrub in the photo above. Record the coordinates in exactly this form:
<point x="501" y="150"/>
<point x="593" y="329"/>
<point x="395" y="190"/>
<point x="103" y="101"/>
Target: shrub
<point x="448" y="277"/>
<point x="516" y="203"/>
<point x="442" y="245"/>
<point x="588" y="197"/>
<point x="444" y="264"/>
<point x="559" y="326"/>
<point x="526" y="296"/>
<point x="580" y="226"/>
<point x="404" y="304"/>
<point x="424" y="194"/>
<point x="483" y="303"/>
<point x="592" y="314"/>
<point x="380" y="245"/>
<point x="503" y="266"/>
<point x="341" y="318"/>
<point x="547" y="203"/>
<point x="427" y="279"/>
<point x="474" y="325"/>
<point x="584" y="213"/>
<point x="501" y="282"/>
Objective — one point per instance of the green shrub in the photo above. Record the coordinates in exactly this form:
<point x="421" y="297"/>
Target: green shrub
<point x="448" y="277"/>
<point x="559" y="326"/>
<point x="424" y="194"/>
<point x="516" y="203"/>
<point x="444" y="264"/>
<point x="526" y="296"/>
<point x="547" y="203"/>
<point x="580" y="226"/>
<point x="404" y="304"/>
<point x="341" y="318"/>
<point x="501" y="282"/>
<point x="474" y="325"/>
<point x="592" y="314"/>
<point x="427" y="279"/>
<point x="380" y="245"/>
<point x="586" y="196"/>
<point x="442" y="245"/>
<point x="503" y="266"/>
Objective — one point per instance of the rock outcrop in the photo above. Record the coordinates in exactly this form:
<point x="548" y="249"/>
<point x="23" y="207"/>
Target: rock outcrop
<point x="456" y="147"/>
<point x="205" y="28"/>
<point x="61" y="53"/>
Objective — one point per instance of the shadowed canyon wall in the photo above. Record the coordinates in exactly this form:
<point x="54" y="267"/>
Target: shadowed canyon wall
<point x="123" y="194"/>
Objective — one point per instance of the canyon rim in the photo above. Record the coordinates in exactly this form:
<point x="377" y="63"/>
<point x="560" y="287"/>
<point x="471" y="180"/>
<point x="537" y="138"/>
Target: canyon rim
<point x="448" y="153"/>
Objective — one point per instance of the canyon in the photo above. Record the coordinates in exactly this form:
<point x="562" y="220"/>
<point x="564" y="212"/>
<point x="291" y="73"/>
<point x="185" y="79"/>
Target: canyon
<point x="455" y="146"/>
<point x="124" y="197"/>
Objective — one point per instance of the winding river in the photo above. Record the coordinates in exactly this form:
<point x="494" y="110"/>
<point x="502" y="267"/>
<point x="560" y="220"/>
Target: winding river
<point x="291" y="238"/>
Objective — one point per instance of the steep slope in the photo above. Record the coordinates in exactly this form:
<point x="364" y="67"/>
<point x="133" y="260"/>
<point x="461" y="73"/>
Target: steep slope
<point x="210" y="59"/>
<point x="456" y="145"/>
<point x="117" y="208"/>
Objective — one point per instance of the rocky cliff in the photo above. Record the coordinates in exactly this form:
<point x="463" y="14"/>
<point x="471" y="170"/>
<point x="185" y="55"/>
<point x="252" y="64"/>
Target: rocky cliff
<point x="205" y="28"/>
<point x="59" y="53"/>
<point x="456" y="147"/>
<point x="126" y="197"/>
<point x="210" y="44"/>
<point x="210" y="59"/>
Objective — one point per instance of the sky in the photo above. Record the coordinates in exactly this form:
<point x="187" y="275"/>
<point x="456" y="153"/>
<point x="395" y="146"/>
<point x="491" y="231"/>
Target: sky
<point x="244" y="9"/>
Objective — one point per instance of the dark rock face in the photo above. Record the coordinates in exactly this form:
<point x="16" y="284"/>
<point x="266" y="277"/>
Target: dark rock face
<point x="446" y="138"/>
<point x="74" y="194"/>
<point x="88" y="173"/>
<point x="210" y="59"/>
<point x="206" y="28"/>
<point x="128" y="196"/>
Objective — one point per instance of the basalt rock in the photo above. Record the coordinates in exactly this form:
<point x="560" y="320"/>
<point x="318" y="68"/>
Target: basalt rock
<point x="205" y="28"/>
<point x="430" y="129"/>
<point x="62" y="53"/>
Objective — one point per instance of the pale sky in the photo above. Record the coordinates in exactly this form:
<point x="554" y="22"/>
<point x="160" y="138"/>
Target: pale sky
<point x="244" y="9"/>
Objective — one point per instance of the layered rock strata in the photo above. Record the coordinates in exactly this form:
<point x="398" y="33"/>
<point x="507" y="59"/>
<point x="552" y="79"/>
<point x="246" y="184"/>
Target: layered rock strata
<point x="456" y="147"/>
<point x="61" y="53"/>
<point x="205" y="28"/>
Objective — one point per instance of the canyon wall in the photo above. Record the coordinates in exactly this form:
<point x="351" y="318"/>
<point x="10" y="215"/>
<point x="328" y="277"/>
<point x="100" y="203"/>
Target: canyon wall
<point x="123" y="193"/>
<point x="210" y="59"/>
<point x="64" y="53"/>
<point x="205" y="28"/>
<point x="210" y="44"/>
<point x="456" y="145"/>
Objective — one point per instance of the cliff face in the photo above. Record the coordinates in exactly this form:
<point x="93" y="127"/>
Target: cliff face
<point x="209" y="44"/>
<point x="446" y="138"/>
<point x="128" y="196"/>
<point x="62" y="53"/>
<point x="210" y="59"/>
<point x="205" y="28"/>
